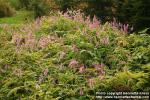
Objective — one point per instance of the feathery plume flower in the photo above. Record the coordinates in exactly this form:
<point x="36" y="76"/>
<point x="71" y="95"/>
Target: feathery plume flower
<point x="30" y="41"/>
<point x="73" y="62"/>
<point x="95" y="23"/>
<point x="78" y="16"/>
<point x="66" y="15"/>
<point x="87" y="20"/>
<point x="123" y="27"/>
<point x="18" y="72"/>
<point x="82" y="68"/>
<point x="91" y="82"/>
<point x="45" y="72"/>
<point x="62" y="55"/>
<point x="16" y="39"/>
<point x="99" y="68"/>
<point x="44" y="41"/>
<point x="105" y="40"/>
<point x="81" y="91"/>
<point x="74" y="48"/>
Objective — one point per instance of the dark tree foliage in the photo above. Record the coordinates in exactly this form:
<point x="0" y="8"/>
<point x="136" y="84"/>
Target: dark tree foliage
<point x="5" y="9"/>
<point x="141" y="17"/>
<point x="25" y="3"/>
<point x="101" y="8"/>
<point x="134" y="12"/>
<point x="66" y="4"/>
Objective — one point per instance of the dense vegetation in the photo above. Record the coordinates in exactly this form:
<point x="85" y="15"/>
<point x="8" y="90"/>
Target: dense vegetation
<point x="67" y="57"/>
<point x="48" y="52"/>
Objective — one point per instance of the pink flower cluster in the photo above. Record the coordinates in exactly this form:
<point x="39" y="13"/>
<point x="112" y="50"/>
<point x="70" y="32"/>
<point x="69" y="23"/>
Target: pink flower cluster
<point x="95" y="23"/>
<point x="81" y="91"/>
<point x="73" y="63"/>
<point x="44" y="41"/>
<point x="105" y="40"/>
<point x="91" y="82"/>
<point x="29" y="40"/>
<point x="17" y="38"/>
<point x="81" y="68"/>
<point x="123" y="27"/>
<point x="43" y="75"/>
<point x="100" y="69"/>
<point x="78" y="16"/>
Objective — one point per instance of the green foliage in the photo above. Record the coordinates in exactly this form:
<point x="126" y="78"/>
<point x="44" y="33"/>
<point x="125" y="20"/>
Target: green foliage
<point x="134" y="12"/>
<point x="59" y="58"/>
<point x="63" y="26"/>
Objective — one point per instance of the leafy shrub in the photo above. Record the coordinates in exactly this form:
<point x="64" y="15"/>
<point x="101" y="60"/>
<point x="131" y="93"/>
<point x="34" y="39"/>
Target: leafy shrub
<point x="5" y="9"/>
<point x="73" y="65"/>
<point x="63" y="26"/>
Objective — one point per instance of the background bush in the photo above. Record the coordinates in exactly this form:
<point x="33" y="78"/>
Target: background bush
<point x="5" y="9"/>
<point x="40" y="7"/>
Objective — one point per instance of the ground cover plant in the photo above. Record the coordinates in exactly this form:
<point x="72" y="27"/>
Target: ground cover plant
<point x="67" y="56"/>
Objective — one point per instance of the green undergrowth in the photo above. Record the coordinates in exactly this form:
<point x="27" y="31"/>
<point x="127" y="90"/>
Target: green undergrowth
<point x="19" y="17"/>
<point x="55" y="58"/>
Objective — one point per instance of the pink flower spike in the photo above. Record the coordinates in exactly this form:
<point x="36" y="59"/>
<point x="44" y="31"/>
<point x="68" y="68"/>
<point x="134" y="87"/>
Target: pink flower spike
<point x="91" y="82"/>
<point x="46" y="72"/>
<point x="73" y="62"/>
<point x="105" y="40"/>
<point x="100" y="68"/>
<point x="74" y="48"/>
<point x="97" y="67"/>
<point x="81" y="91"/>
<point x="101" y="77"/>
<point x="82" y="68"/>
